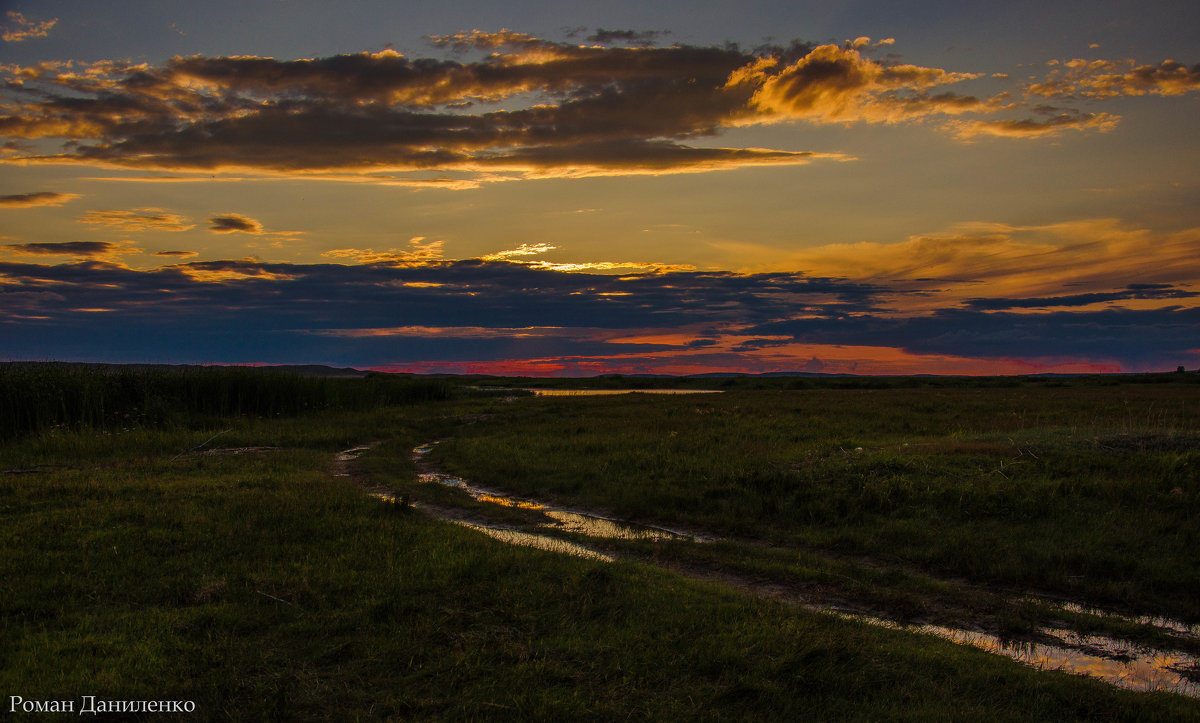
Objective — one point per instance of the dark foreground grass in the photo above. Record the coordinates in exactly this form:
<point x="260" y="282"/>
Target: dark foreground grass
<point x="262" y="588"/>
<point x="1090" y="491"/>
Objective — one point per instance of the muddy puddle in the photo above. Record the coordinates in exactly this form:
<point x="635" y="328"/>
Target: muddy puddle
<point x="1114" y="661"/>
<point x="561" y="519"/>
<point x="605" y="392"/>
<point x="342" y="460"/>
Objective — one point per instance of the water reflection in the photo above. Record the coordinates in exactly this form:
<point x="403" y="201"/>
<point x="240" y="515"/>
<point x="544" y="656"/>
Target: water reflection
<point x="1113" y="661"/>
<point x="508" y="535"/>
<point x="561" y="519"/>
<point x="604" y="392"/>
<point x="593" y="526"/>
<point x="342" y="460"/>
<point x="541" y="542"/>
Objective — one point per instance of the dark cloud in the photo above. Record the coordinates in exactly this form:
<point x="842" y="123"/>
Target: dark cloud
<point x="1133" y="291"/>
<point x="1137" y="339"/>
<point x="629" y="37"/>
<point x="231" y="223"/>
<point x="67" y="248"/>
<point x="37" y="198"/>
<point x="176" y="254"/>
<point x="379" y="314"/>
<point x="569" y="109"/>
<point x="756" y="344"/>
<point x="315" y="305"/>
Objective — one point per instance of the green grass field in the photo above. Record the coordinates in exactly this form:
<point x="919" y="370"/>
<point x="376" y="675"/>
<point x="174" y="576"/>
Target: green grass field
<point x="142" y="563"/>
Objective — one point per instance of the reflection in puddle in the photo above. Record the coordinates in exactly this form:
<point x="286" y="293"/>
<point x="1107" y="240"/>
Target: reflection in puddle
<point x="541" y="542"/>
<point x="1107" y="659"/>
<point x="342" y="460"/>
<point x="353" y="453"/>
<point x="562" y="519"/>
<point x="506" y="502"/>
<point x="608" y="529"/>
<point x="604" y="392"/>
<point x="1128" y="667"/>
<point x="510" y="536"/>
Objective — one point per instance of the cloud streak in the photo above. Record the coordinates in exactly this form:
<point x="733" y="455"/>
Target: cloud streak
<point x="82" y="249"/>
<point x="36" y="198"/>
<point x="1033" y="127"/>
<point x="138" y="219"/>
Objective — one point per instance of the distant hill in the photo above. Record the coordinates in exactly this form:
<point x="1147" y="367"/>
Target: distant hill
<point x="308" y="370"/>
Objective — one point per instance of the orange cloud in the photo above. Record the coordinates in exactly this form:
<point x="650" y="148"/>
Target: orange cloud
<point x="993" y="260"/>
<point x="835" y="85"/>
<point x="138" y="219"/>
<point x="822" y="358"/>
<point x="19" y="29"/>
<point x="514" y="256"/>
<point x="419" y="251"/>
<point x="1108" y="79"/>
<point x="1032" y="128"/>
<point x="522" y="250"/>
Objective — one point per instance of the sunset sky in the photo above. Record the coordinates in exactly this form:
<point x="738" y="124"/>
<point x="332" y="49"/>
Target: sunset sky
<point x="622" y="187"/>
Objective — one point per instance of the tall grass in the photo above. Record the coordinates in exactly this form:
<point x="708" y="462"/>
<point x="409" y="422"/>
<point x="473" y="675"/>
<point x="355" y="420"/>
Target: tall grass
<point x="42" y="396"/>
